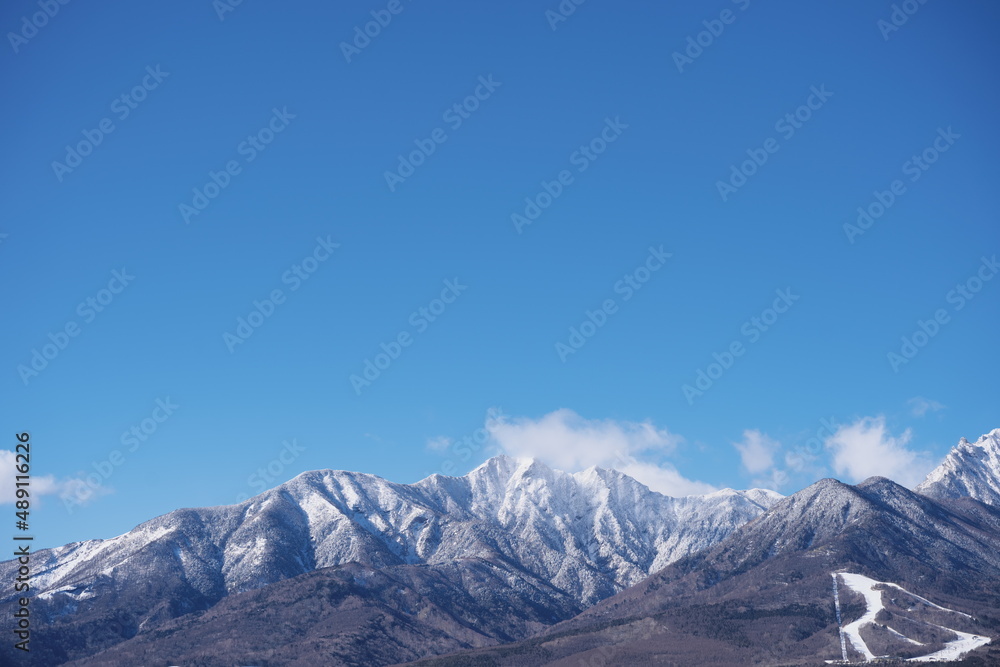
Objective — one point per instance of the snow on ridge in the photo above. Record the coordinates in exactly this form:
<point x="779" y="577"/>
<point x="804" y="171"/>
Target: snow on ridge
<point x="969" y="469"/>
<point x="590" y="533"/>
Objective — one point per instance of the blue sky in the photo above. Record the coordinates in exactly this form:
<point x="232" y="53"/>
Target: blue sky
<point x="691" y="198"/>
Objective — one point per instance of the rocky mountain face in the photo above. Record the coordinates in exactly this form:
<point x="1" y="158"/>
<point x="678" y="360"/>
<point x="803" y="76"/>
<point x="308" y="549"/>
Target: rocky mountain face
<point x="513" y="535"/>
<point x="970" y="469"/>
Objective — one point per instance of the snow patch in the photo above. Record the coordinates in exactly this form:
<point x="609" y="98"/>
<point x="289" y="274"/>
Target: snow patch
<point x="866" y="586"/>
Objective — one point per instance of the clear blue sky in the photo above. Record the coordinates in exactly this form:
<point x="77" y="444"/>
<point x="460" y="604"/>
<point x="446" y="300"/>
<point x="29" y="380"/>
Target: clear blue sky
<point x="336" y="127"/>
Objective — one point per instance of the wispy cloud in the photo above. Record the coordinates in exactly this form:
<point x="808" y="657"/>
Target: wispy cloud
<point x="865" y="448"/>
<point x="920" y="406"/>
<point x="41" y="485"/>
<point x="567" y="441"/>
<point x="439" y="444"/>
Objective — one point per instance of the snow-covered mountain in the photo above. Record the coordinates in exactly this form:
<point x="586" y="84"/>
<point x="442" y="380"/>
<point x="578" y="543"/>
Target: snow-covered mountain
<point x="970" y="469"/>
<point x="573" y="539"/>
<point x="591" y="533"/>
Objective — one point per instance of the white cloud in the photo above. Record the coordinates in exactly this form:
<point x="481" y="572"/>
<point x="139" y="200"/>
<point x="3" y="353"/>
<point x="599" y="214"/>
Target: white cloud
<point x="567" y="441"/>
<point x="920" y="406"/>
<point x="866" y="448"/>
<point x="665" y="478"/>
<point x="757" y="451"/>
<point x="41" y="485"/>
<point x="439" y="444"/>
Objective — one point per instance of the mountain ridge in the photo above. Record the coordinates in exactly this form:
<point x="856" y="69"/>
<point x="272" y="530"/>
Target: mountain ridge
<point x="969" y="469"/>
<point x="582" y="536"/>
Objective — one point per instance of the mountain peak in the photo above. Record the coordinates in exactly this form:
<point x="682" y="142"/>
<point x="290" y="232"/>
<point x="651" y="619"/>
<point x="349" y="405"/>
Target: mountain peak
<point x="505" y="462"/>
<point x="874" y="479"/>
<point x="828" y="484"/>
<point x="880" y="484"/>
<point x="970" y="469"/>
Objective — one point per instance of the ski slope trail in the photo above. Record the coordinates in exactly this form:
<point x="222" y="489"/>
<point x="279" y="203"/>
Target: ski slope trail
<point x="869" y="589"/>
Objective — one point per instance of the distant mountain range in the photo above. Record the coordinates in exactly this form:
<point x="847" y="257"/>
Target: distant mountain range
<point x="519" y="564"/>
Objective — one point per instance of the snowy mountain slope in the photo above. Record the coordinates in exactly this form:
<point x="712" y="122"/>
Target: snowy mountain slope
<point x="970" y="469"/>
<point x="763" y="594"/>
<point x="352" y="615"/>
<point x="587" y="535"/>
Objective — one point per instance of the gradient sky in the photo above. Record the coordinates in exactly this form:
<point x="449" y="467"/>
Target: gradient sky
<point x="673" y="129"/>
